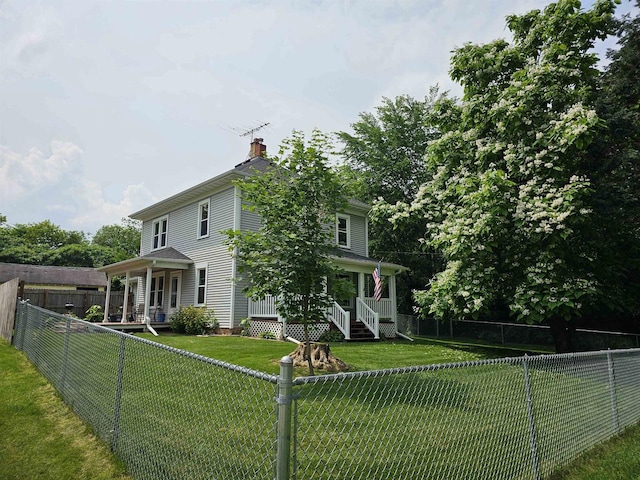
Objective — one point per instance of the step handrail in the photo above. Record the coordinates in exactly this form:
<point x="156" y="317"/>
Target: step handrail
<point x="340" y="318"/>
<point x="368" y="316"/>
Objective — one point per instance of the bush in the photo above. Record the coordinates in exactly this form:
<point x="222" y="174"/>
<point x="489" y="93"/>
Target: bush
<point x="331" y="336"/>
<point x="267" y="335"/>
<point x="95" y="313"/>
<point x="245" y="324"/>
<point x="193" y="320"/>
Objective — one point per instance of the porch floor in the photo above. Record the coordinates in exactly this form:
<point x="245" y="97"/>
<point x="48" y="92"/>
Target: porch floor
<point x="134" y="326"/>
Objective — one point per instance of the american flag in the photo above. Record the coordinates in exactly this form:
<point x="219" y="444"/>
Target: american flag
<point x="377" y="282"/>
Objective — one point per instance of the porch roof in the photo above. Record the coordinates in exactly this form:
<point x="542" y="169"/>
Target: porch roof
<point x="167" y="258"/>
<point x="347" y="257"/>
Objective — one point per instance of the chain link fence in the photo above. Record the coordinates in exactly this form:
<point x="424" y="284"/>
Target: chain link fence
<point x="513" y="333"/>
<point x="169" y="414"/>
<point x="166" y="413"/>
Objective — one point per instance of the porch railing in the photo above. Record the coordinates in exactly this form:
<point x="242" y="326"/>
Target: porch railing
<point x="368" y="316"/>
<point x="341" y="319"/>
<point x="265" y="308"/>
<point x="384" y="307"/>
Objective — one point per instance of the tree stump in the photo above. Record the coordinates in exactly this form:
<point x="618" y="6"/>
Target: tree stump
<point x="321" y="358"/>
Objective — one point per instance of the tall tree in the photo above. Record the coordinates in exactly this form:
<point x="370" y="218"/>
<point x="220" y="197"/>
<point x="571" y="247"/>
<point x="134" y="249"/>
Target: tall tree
<point x="509" y="202"/>
<point x="289" y="257"/>
<point x="385" y="158"/>
<point x="123" y="239"/>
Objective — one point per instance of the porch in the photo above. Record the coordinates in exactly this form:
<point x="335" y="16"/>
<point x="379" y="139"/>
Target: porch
<point x="360" y="323"/>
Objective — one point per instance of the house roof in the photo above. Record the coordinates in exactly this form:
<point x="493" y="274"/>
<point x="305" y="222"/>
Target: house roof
<point x="348" y="257"/>
<point x="51" y="275"/>
<point x="169" y="258"/>
<point x="206" y="188"/>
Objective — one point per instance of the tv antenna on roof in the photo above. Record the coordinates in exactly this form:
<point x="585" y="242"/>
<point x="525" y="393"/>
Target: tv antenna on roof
<point x="247" y="131"/>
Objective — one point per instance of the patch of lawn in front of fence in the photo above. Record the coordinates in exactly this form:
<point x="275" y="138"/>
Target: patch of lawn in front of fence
<point x="616" y="459"/>
<point x="264" y="355"/>
<point x="41" y="438"/>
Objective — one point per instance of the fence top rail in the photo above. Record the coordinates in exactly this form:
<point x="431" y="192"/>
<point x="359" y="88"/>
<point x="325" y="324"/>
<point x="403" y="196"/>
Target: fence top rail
<point x="457" y="365"/>
<point x="201" y="358"/>
<point x="543" y="327"/>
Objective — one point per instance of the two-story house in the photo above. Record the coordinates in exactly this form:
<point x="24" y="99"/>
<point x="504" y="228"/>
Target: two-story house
<point x="184" y="261"/>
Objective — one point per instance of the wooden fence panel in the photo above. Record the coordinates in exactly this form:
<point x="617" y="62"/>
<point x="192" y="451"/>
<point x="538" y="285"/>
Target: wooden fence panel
<point x="57" y="300"/>
<point x="8" y="298"/>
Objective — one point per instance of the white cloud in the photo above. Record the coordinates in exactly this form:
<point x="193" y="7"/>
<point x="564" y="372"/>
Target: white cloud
<point x="21" y="173"/>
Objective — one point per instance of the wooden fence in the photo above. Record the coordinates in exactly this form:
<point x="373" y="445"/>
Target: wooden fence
<point x="8" y="297"/>
<point x="75" y="301"/>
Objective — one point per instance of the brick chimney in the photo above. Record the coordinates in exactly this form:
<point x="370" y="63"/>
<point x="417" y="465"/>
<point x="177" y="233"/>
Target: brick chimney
<point x="257" y="148"/>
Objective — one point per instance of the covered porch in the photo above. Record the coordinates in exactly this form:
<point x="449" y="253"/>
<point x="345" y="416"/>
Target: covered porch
<point x="358" y="318"/>
<point x="152" y="270"/>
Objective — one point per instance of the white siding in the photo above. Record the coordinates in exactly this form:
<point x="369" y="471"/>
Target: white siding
<point x="358" y="235"/>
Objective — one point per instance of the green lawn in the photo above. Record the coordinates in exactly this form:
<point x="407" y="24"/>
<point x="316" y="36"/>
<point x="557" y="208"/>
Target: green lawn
<point x="186" y="413"/>
<point x="264" y="355"/>
<point x="40" y="437"/>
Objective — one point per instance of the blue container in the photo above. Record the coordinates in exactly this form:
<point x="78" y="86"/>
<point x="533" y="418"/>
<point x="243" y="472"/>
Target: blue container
<point x="161" y="317"/>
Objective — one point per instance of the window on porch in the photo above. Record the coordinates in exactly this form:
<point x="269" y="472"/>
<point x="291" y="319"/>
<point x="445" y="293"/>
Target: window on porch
<point x="157" y="291"/>
<point x="369" y="286"/>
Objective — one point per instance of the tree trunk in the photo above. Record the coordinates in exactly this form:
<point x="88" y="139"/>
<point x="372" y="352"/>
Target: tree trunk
<point x="562" y="331"/>
<point x="320" y="357"/>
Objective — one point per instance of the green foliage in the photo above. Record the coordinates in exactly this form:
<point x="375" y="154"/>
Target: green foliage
<point x="95" y="313"/>
<point x="290" y="256"/>
<point x="331" y="336"/>
<point x="508" y="198"/>
<point x="123" y="239"/>
<point x="193" y="320"/>
<point x="267" y="335"/>
<point x="385" y="158"/>
<point x="245" y="324"/>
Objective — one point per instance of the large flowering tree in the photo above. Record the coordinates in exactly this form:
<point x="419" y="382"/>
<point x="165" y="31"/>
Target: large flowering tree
<point x="508" y="203"/>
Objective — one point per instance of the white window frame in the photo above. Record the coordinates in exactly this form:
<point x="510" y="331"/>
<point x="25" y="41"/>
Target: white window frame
<point x="162" y="234"/>
<point x="156" y="291"/>
<point x="346" y="231"/>
<point x="201" y="220"/>
<point x="201" y="267"/>
<point x="177" y="293"/>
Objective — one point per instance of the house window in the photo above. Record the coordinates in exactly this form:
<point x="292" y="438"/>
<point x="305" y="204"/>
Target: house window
<point x="201" y="284"/>
<point x="343" y="238"/>
<point x="173" y="301"/>
<point x="203" y="219"/>
<point x="157" y="291"/>
<point x="159" y="238"/>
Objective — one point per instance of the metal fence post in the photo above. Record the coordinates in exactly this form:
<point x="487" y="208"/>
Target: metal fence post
<point x="532" y="427"/>
<point x="116" y="410"/>
<point x="285" y="381"/>
<point x="63" y="374"/>
<point x="612" y="393"/>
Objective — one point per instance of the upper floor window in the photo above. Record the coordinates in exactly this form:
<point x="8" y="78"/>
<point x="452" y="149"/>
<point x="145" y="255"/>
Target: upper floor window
<point x="343" y="224"/>
<point x="159" y="229"/>
<point x="203" y="219"/>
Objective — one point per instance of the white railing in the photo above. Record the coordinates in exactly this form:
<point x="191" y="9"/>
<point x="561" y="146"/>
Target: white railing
<point x="265" y="308"/>
<point x="368" y="316"/>
<point x="341" y="319"/>
<point x="384" y="307"/>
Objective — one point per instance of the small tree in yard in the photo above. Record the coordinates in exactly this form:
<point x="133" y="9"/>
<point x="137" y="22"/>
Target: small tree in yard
<point x="290" y="256"/>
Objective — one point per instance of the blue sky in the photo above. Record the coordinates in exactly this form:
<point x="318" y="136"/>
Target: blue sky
<point x="108" y="106"/>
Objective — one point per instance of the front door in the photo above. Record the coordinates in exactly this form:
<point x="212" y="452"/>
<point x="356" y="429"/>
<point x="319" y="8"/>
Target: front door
<point x="350" y="303"/>
<point x="175" y="285"/>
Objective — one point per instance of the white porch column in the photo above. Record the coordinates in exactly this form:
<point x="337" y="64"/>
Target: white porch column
<point x="125" y="302"/>
<point x="361" y="285"/>
<point x="147" y="295"/>
<point x="392" y="295"/>
<point x="107" y="300"/>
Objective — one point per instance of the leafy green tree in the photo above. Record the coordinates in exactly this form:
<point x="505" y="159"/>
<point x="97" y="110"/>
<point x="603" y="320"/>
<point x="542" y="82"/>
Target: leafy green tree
<point x="614" y="169"/>
<point x="289" y="257"/>
<point x="385" y="158"/>
<point x="123" y="239"/>
<point x="46" y="234"/>
<point x="509" y="201"/>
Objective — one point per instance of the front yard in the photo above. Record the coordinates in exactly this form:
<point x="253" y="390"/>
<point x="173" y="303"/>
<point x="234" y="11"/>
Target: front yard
<point x="264" y="355"/>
